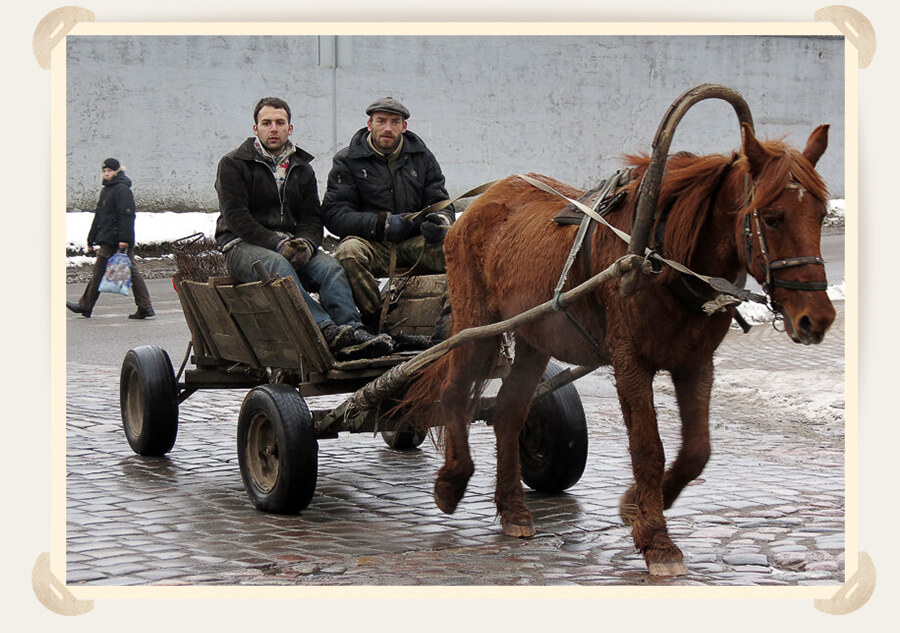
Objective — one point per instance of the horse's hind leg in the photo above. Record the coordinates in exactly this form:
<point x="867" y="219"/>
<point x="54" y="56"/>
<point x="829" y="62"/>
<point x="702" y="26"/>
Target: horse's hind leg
<point x="642" y="505"/>
<point x="470" y="365"/>
<point x="513" y="402"/>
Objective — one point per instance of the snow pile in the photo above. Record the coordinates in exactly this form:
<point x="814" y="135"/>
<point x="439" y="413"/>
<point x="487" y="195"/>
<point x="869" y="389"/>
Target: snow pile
<point x="785" y="398"/>
<point x="835" y="217"/>
<point x="149" y="228"/>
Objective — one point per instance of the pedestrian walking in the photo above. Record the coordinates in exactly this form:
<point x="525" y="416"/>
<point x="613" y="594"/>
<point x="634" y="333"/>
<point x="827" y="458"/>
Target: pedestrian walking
<point x="113" y="231"/>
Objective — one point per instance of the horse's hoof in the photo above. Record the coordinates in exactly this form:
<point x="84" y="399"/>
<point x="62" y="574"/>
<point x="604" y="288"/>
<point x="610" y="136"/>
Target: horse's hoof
<point x="667" y="569"/>
<point x="447" y="506"/>
<point x="518" y="530"/>
<point x="446" y="497"/>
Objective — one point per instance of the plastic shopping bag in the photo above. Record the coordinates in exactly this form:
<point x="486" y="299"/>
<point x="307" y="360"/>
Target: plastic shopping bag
<point x="117" y="278"/>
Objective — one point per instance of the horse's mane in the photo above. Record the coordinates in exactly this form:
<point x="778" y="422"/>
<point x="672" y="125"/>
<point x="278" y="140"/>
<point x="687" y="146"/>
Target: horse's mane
<point x="691" y="183"/>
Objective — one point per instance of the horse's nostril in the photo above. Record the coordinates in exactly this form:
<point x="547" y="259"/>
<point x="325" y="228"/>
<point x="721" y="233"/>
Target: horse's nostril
<point x="804" y="325"/>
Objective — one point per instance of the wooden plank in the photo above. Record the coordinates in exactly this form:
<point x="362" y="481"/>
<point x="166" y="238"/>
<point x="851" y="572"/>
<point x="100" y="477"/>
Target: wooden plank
<point x="261" y="324"/>
<point x="310" y="340"/>
<point x="415" y="315"/>
<point x="203" y="343"/>
<point x="420" y="305"/>
<point x="420" y="286"/>
<point x="228" y="340"/>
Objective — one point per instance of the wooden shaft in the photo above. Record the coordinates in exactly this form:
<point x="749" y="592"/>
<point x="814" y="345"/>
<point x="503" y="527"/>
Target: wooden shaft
<point x="373" y="393"/>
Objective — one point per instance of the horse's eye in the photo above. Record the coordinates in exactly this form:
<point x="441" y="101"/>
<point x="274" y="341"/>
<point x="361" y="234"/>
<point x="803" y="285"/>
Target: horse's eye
<point x="772" y="220"/>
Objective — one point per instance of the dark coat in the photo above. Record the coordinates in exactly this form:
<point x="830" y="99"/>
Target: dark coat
<point x="251" y="208"/>
<point x="362" y="191"/>
<point x="114" y="216"/>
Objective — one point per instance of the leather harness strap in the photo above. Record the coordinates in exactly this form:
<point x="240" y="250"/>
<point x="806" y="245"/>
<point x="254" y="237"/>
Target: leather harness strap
<point x="732" y="294"/>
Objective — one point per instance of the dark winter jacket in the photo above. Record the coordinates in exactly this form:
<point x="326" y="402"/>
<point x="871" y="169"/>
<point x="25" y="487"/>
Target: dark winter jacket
<point x="251" y="207"/>
<point x="362" y="191"/>
<point x="114" y="216"/>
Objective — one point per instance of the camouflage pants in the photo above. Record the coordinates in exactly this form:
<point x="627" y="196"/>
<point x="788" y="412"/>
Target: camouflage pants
<point x="364" y="261"/>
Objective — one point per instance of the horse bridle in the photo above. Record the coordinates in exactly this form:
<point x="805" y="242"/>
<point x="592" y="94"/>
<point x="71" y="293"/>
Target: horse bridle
<point x="772" y="282"/>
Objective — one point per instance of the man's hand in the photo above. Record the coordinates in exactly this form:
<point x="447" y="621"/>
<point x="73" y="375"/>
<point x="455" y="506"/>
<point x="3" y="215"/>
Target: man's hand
<point x="434" y="228"/>
<point x="398" y="228"/>
<point x="297" y="251"/>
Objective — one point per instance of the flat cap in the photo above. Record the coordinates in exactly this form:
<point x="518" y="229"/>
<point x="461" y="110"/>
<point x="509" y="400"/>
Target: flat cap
<point x="388" y="104"/>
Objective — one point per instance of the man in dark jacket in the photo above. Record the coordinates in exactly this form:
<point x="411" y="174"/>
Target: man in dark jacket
<point x="376" y="184"/>
<point x="269" y="212"/>
<point x="113" y="230"/>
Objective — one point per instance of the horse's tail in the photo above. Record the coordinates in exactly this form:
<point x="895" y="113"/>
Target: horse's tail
<point x="420" y="402"/>
<point x="452" y="385"/>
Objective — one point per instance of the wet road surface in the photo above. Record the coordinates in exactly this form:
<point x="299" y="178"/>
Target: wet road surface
<point x="768" y="509"/>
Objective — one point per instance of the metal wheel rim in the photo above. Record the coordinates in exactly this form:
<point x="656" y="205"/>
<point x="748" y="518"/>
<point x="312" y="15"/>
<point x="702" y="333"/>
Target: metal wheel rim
<point x="134" y="405"/>
<point x="262" y="453"/>
<point x="531" y="439"/>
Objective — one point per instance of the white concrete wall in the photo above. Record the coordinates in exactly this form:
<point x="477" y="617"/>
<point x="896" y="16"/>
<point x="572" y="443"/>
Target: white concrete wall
<point x="566" y="106"/>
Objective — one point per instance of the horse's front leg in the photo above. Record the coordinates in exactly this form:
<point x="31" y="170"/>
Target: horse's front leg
<point x="642" y="505"/>
<point x="513" y="402"/>
<point x="692" y="389"/>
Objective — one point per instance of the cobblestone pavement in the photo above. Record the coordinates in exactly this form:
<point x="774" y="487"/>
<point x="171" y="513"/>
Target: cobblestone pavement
<point x="768" y="509"/>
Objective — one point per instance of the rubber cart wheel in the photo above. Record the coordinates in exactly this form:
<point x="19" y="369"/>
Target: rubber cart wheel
<point x="277" y="449"/>
<point x="404" y="439"/>
<point x="553" y="442"/>
<point x="148" y="400"/>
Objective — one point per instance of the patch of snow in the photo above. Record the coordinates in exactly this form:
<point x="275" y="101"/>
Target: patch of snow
<point x="149" y="228"/>
<point x="757" y="313"/>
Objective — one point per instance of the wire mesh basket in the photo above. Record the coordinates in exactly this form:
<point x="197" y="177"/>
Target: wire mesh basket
<point x="197" y="258"/>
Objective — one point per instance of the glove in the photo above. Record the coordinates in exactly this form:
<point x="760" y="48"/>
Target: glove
<point x="434" y="228"/>
<point x="398" y="228"/>
<point x="297" y="251"/>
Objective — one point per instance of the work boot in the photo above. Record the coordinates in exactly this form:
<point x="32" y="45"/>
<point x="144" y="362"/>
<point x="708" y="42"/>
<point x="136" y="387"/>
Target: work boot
<point x="337" y="336"/>
<point x="364" y="344"/>
<point x="77" y="309"/>
<point x="411" y="342"/>
<point x="142" y="313"/>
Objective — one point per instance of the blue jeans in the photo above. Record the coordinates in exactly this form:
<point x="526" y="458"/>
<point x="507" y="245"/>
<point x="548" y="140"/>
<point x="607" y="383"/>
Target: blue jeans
<point x="322" y="274"/>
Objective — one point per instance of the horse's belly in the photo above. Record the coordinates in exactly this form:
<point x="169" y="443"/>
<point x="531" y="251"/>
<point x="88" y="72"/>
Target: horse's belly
<point x="558" y="337"/>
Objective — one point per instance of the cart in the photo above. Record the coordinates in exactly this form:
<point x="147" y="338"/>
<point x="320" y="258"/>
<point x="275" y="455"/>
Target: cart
<point x="261" y="337"/>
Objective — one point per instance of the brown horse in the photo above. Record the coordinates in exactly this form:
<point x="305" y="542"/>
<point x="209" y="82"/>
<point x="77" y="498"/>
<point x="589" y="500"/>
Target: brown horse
<point x="759" y="211"/>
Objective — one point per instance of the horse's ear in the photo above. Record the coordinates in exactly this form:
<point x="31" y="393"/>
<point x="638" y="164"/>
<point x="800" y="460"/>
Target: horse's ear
<point x="816" y="144"/>
<point x="756" y="154"/>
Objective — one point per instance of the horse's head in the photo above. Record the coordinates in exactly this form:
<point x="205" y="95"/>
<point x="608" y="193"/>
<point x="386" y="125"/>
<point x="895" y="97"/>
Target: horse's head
<point x="779" y="229"/>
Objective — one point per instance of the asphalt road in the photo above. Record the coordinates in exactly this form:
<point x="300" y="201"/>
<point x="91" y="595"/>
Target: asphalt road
<point x="106" y="337"/>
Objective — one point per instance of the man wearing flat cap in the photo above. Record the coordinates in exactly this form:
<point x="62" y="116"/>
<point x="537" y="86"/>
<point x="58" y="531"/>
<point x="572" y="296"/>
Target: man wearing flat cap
<point x="376" y="186"/>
